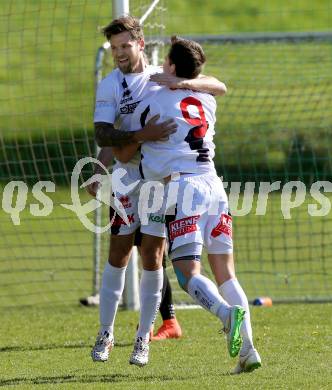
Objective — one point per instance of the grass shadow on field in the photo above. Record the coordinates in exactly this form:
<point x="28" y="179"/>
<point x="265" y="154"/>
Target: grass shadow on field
<point x="21" y="348"/>
<point x="112" y="378"/>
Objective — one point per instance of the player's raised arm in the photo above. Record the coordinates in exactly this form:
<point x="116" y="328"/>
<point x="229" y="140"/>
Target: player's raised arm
<point x="202" y="83"/>
<point x="207" y="84"/>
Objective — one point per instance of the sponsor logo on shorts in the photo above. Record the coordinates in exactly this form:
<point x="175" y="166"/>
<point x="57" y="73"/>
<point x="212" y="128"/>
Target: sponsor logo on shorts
<point x="183" y="226"/>
<point x="224" y="226"/>
<point x="125" y="201"/>
<point x="157" y="218"/>
<point x="118" y="221"/>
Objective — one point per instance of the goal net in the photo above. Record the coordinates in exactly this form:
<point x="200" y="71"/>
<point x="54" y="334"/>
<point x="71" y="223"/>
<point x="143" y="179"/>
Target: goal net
<point x="274" y="125"/>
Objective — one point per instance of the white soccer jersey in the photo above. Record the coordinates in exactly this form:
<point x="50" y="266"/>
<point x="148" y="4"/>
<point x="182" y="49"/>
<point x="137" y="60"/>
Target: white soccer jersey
<point x="119" y="94"/>
<point x="190" y="149"/>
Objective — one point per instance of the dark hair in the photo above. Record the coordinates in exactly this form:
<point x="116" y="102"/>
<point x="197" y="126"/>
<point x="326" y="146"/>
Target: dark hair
<point x="187" y="56"/>
<point x="124" y="23"/>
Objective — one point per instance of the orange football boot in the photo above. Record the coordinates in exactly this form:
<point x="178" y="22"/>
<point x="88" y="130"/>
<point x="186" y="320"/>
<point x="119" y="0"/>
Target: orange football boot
<point x="170" y="329"/>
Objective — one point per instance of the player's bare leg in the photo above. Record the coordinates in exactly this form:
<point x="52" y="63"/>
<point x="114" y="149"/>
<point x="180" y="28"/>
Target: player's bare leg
<point x="206" y="294"/>
<point x="112" y="286"/>
<point x="152" y="249"/>
<point x="223" y="268"/>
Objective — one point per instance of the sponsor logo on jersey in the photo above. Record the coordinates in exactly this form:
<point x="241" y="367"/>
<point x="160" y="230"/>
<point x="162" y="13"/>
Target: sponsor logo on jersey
<point x="157" y="218"/>
<point x="126" y="100"/>
<point x="224" y="226"/>
<point x="126" y="93"/>
<point x="129" y="108"/>
<point x="124" y="84"/>
<point x="125" y="201"/>
<point x="183" y="226"/>
<point x="118" y="221"/>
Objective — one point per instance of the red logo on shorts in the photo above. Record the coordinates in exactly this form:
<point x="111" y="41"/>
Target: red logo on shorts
<point x="183" y="226"/>
<point x="224" y="226"/>
<point x="125" y="201"/>
<point x="118" y="221"/>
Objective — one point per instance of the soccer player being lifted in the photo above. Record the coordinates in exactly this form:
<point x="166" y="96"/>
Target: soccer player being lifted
<point x="198" y="215"/>
<point x="117" y="97"/>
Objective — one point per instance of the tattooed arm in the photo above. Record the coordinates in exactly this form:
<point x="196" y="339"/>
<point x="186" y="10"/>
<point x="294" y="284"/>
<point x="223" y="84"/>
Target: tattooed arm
<point x="107" y="135"/>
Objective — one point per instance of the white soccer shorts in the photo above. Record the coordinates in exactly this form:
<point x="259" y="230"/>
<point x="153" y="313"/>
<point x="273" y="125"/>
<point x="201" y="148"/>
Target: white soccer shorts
<point x="201" y="215"/>
<point x="155" y="225"/>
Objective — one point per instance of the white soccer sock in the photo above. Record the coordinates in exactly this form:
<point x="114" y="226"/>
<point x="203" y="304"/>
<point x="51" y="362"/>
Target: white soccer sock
<point x="110" y="294"/>
<point x="232" y="291"/>
<point x="206" y="294"/>
<point x="150" y="297"/>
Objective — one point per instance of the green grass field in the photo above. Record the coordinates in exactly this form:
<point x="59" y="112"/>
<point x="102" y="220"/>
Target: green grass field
<point x="231" y="16"/>
<point x="49" y="347"/>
